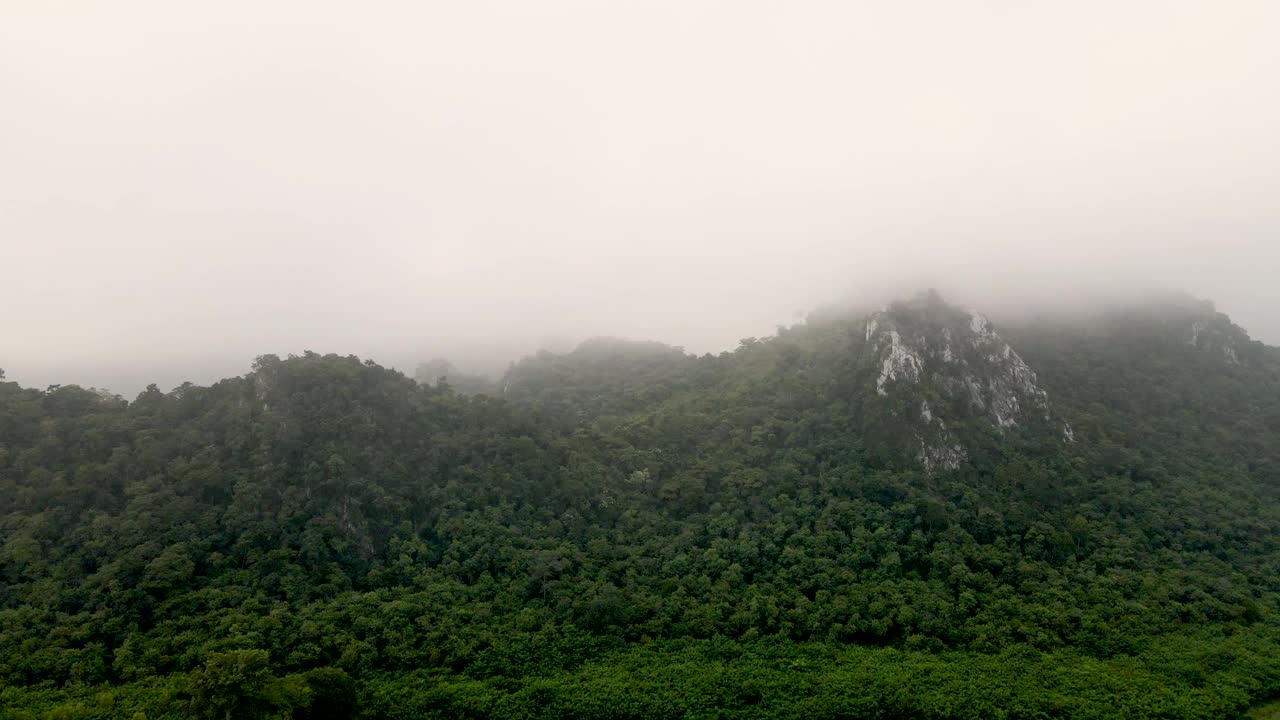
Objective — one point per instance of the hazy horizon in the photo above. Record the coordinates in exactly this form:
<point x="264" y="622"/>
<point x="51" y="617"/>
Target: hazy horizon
<point x="492" y="359"/>
<point x="183" y="188"/>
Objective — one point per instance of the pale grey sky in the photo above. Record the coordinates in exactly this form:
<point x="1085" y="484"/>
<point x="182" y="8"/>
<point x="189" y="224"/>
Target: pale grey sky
<point x="184" y="186"/>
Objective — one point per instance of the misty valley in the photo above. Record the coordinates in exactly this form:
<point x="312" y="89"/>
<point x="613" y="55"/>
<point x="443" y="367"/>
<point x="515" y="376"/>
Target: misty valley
<point x="912" y="512"/>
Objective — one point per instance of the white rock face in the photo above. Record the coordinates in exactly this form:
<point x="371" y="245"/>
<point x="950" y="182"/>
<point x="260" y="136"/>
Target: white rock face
<point x="978" y="365"/>
<point x="1010" y="381"/>
<point x="947" y="355"/>
<point x="900" y="363"/>
<point x="959" y="355"/>
<point x="1197" y="327"/>
<point x="978" y="323"/>
<point x="941" y="457"/>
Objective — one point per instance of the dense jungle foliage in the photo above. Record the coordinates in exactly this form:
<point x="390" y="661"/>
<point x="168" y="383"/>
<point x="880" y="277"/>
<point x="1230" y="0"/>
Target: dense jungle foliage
<point x="629" y="531"/>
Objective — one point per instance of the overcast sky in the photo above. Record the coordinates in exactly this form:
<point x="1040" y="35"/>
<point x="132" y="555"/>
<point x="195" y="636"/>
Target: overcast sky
<point x="186" y="185"/>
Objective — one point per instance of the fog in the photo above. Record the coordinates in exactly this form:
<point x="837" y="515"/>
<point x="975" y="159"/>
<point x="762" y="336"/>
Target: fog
<point x="184" y="186"/>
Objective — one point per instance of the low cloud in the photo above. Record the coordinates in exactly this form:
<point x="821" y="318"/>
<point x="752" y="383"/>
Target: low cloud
<point x="184" y="188"/>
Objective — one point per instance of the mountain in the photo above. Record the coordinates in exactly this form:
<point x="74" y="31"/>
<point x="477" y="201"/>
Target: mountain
<point x="439" y="370"/>
<point x="912" y="512"/>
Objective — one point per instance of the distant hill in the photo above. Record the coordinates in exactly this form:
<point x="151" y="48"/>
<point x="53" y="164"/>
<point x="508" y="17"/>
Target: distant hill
<point x="439" y="370"/>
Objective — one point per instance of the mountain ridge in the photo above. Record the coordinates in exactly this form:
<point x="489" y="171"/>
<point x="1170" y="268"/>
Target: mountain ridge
<point x="325" y="535"/>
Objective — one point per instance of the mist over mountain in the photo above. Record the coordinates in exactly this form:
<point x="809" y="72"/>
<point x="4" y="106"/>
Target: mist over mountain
<point x="907" y="511"/>
<point x="183" y="190"/>
<point x="408" y="347"/>
<point x="672" y="360"/>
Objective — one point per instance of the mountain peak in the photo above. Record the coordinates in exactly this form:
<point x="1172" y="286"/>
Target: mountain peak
<point x="949" y="366"/>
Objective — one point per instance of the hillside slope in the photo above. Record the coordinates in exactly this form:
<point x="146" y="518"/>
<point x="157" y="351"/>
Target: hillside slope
<point x="908" y="512"/>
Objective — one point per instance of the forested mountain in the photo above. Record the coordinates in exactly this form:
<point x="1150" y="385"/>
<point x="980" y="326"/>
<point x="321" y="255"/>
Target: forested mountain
<point x="912" y="512"/>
